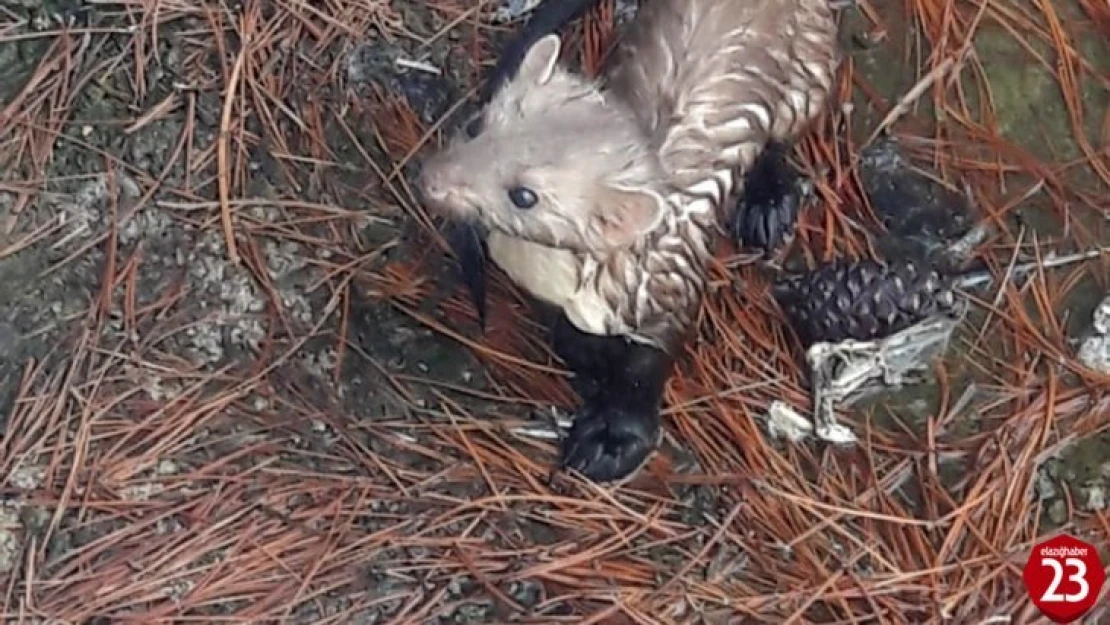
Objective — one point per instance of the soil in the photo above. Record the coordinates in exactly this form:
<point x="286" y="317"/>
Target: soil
<point x="303" y="398"/>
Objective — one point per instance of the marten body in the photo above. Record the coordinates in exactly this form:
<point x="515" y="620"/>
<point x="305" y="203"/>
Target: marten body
<point x="603" y="197"/>
<point x="630" y="175"/>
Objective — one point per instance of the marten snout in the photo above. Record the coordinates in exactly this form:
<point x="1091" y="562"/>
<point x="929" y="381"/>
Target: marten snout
<point x="440" y="184"/>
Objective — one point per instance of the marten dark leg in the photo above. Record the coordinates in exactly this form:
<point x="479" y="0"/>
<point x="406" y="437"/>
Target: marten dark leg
<point x="469" y="246"/>
<point x="773" y="194"/>
<point x="588" y="356"/>
<point x="615" y="432"/>
<point x="618" y="425"/>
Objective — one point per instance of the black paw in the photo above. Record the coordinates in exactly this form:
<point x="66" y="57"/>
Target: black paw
<point x="607" y="445"/>
<point x="594" y="360"/>
<point x="773" y="195"/>
<point x="587" y="386"/>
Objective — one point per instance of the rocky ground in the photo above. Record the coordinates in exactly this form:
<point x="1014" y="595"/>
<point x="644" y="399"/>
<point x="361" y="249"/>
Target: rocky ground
<point x="305" y="426"/>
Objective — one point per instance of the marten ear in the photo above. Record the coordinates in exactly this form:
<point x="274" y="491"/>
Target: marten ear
<point x="624" y="215"/>
<point x="540" y="60"/>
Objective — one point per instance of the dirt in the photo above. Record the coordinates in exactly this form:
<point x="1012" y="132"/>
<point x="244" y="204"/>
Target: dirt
<point x="207" y="315"/>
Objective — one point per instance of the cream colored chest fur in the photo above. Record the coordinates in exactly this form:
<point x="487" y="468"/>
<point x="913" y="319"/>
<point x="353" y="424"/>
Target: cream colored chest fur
<point x="554" y="276"/>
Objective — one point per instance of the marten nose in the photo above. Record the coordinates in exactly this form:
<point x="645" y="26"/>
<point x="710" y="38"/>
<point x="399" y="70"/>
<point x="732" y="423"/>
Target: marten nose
<point x="437" y="181"/>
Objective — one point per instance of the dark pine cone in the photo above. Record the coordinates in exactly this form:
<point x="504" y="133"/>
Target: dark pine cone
<point x="863" y="300"/>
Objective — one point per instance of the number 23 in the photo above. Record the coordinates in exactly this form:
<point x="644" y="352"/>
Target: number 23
<point x="1079" y="577"/>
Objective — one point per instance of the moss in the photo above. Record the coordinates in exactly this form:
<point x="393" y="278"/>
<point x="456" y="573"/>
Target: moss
<point x="1028" y="102"/>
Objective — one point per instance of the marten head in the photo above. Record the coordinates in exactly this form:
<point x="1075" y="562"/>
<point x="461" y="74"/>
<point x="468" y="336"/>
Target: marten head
<point x="553" y="160"/>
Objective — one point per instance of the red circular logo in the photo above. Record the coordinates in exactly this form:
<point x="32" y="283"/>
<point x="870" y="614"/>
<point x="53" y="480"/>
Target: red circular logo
<point x="1064" y="577"/>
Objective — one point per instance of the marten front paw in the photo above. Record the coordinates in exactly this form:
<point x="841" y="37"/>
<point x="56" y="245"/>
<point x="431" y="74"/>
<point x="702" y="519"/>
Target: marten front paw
<point x="607" y="445"/>
<point x="773" y="195"/>
<point x="588" y="387"/>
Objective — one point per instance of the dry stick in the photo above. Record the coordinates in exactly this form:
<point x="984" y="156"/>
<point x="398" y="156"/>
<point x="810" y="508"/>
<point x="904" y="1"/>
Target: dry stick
<point x="911" y="96"/>
<point x="828" y="508"/>
<point x="37" y="236"/>
<point x="222" y="156"/>
<point x="473" y="345"/>
<point x="155" y="113"/>
<point x="824" y="588"/>
<point x="1002" y="286"/>
<point x="701" y="554"/>
<point x="71" y="479"/>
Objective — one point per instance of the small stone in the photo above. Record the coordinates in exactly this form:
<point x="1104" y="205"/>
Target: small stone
<point x="1094" y="353"/>
<point x="1046" y="488"/>
<point x="11" y="543"/>
<point x="1058" y="512"/>
<point x="1095" y="499"/>
<point x="27" y="477"/>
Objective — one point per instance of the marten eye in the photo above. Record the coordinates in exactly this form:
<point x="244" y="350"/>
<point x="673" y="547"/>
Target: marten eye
<point x="522" y="197"/>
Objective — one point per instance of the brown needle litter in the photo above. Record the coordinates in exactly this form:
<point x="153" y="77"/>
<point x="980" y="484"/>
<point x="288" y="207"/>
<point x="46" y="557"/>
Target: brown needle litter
<point x="244" y="387"/>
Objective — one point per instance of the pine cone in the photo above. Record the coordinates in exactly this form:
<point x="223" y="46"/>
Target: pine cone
<point x="863" y="300"/>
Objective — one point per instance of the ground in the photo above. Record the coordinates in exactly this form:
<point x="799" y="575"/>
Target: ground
<point x="305" y="425"/>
